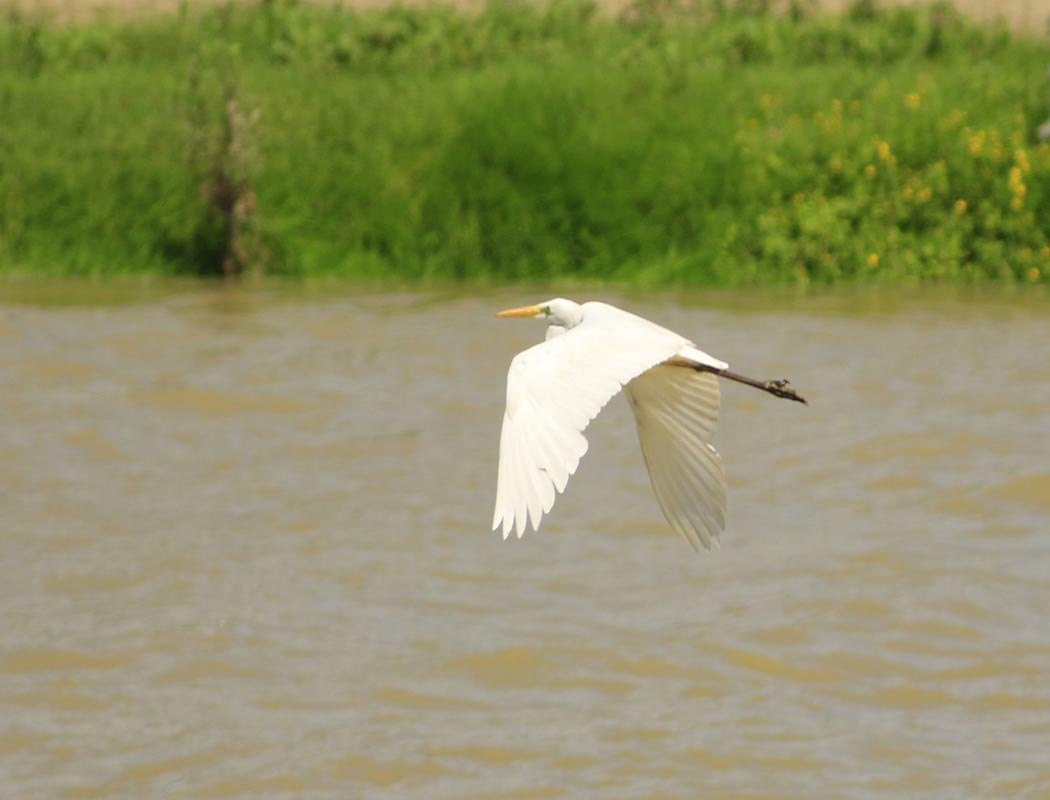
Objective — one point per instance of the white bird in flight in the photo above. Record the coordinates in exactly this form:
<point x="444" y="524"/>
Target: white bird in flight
<point x="557" y="387"/>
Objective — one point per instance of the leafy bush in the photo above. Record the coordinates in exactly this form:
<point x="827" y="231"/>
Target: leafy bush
<point x="698" y="142"/>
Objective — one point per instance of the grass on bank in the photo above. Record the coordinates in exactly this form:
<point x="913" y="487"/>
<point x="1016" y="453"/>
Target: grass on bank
<point x="705" y="142"/>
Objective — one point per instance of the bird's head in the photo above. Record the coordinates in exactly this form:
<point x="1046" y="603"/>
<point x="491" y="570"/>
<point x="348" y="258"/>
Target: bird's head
<point x="559" y="312"/>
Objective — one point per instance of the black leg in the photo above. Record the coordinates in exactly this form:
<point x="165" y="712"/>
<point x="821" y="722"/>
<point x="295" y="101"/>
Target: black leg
<point x="781" y="388"/>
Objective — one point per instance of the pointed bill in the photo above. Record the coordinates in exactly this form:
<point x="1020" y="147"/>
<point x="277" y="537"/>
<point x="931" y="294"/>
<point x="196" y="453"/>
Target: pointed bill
<point x="524" y="311"/>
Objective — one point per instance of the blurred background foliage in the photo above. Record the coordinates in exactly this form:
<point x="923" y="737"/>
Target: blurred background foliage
<point x="729" y="142"/>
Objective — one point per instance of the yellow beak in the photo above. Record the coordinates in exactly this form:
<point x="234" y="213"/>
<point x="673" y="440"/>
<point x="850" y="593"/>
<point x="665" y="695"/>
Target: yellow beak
<point x="524" y="311"/>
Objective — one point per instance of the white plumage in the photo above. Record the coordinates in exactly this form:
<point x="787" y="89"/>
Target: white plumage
<point x="676" y="412"/>
<point x="556" y="388"/>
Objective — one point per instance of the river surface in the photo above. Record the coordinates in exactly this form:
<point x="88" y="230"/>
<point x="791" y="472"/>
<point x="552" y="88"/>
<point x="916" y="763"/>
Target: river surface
<point x="244" y="552"/>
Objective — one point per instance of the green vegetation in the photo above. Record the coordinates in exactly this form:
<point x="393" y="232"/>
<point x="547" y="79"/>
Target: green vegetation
<point x="706" y="142"/>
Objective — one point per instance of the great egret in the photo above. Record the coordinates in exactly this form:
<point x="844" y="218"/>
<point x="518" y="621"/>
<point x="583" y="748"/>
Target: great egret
<point x="557" y="387"/>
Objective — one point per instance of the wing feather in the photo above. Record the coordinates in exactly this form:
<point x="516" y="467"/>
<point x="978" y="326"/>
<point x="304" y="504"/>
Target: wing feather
<point x="676" y="412"/>
<point x="554" y="390"/>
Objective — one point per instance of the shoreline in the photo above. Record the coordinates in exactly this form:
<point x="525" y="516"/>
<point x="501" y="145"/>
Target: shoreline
<point x="882" y="147"/>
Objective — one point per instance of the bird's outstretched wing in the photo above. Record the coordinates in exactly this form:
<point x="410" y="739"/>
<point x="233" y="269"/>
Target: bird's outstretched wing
<point x="676" y="411"/>
<point x="554" y="390"/>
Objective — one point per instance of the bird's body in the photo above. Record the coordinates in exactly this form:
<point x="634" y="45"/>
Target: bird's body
<point x="557" y="387"/>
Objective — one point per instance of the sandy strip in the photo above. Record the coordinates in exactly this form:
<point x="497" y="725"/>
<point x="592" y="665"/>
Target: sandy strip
<point x="1031" y="16"/>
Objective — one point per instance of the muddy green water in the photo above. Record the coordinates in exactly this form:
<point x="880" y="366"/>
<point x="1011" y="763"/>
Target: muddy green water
<point x="244" y="552"/>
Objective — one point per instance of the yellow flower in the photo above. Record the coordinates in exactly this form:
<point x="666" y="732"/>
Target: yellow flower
<point x="1016" y="203"/>
<point x="836" y="107"/>
<point x="1044" y="251"/>
<point x="913" y="100"/>
<point x="1016" y="183"/>
<point x="883" y="149"/>
<point x="1033" y="274"/>
<point x="869" y="171"/>
<point x="1021" y="157"/>
<point x="766" y="101"/>
<point x="907" y="193"/>
<point x="976" y="143"/>
<point x="960" y="206"/>
<point x="873" y="260"/>
<point x="924" y="194"/>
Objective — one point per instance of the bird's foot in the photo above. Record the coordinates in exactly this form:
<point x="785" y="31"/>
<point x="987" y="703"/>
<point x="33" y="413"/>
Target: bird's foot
<point x="783" y="388"/>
